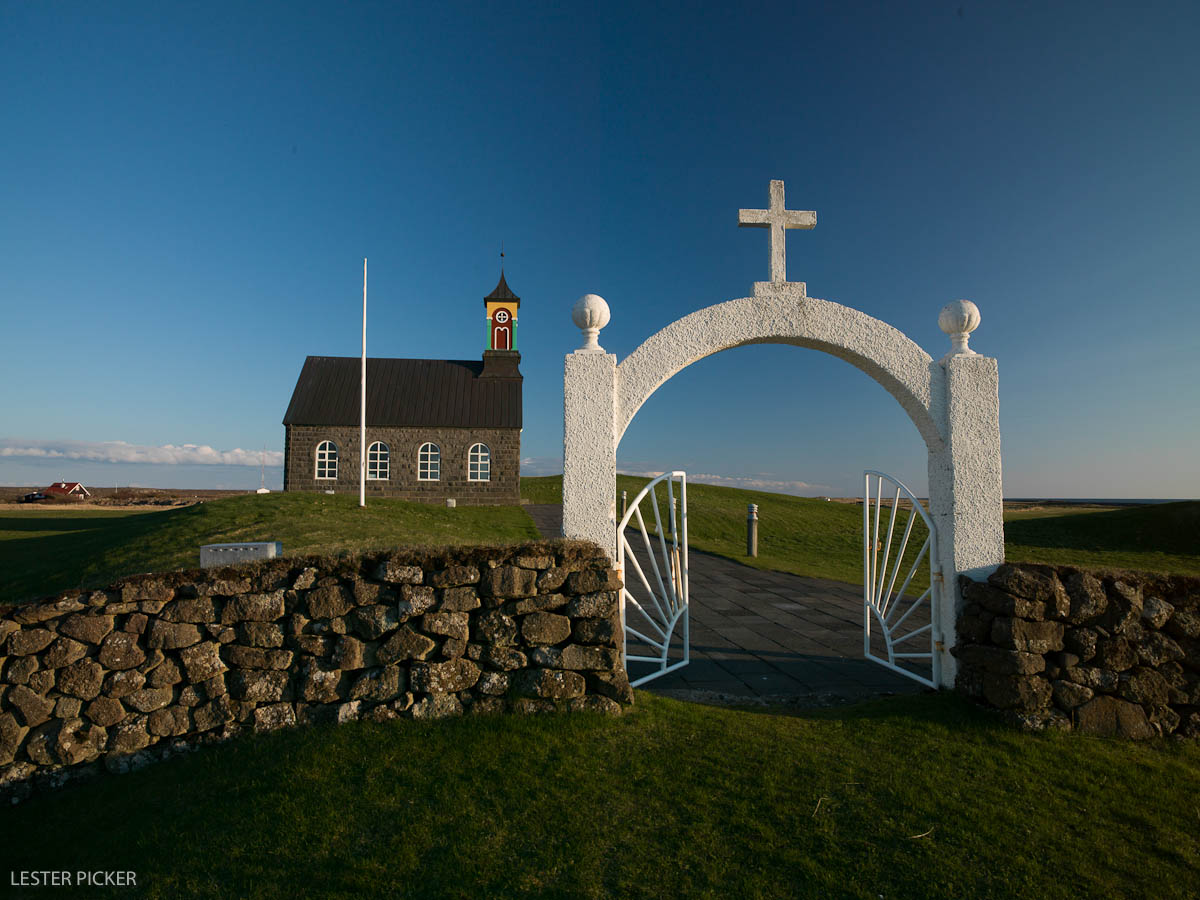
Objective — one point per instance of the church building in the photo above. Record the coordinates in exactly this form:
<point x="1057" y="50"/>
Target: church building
<point x="437" y="429"/>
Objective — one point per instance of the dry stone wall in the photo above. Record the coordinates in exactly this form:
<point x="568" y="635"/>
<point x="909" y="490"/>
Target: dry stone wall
<point x="1105" y="653"/>
<point x="155" y="664"/>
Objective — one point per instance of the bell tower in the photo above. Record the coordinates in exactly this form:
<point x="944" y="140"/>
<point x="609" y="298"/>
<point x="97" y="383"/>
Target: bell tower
<point x="502" y="305"/>
<point x="500" y="356"/>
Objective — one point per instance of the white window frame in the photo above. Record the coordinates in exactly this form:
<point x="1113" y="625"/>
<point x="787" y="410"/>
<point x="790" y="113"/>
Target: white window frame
<point x="429" y="462"/>
<point x="378" y="461"/>
<point x="479" y="463"/>
<point x="327" y="460"/>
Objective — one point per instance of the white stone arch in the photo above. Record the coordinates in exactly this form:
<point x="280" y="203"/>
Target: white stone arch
<point x="953" y="402"/>
<point x="878" y="349"/>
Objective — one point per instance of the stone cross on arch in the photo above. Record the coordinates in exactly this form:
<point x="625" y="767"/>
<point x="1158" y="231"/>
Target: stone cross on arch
<point x="777" y="218"/>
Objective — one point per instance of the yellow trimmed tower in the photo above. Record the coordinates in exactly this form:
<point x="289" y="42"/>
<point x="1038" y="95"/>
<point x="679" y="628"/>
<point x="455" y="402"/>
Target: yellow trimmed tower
<point x="502" y="305"/>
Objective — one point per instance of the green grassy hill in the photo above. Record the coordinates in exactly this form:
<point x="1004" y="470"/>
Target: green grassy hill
<point x="52" y="549"/>
<point x="813" y="537"/>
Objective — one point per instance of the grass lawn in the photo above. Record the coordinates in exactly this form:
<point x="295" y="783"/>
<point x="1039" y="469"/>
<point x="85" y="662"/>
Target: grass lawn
<point x="923" y="796"/>
<point x="808" y="536"/>
<point x="43" y="550"/>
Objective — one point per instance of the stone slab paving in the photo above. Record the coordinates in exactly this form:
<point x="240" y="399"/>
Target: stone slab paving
<point x="761" y="636"/>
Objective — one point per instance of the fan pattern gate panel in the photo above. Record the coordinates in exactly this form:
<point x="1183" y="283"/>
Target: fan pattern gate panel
<point x="900" y="626"/>
<point x="653" y="565"/>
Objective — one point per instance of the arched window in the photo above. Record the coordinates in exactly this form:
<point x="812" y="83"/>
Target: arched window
<point x="479" y="463"/>
<point x="429" y="463"/>
<point x="377" y="461"/>
<point x="327" y="460"/>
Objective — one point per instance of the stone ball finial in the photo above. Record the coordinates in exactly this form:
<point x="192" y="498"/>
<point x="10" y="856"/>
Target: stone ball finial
<point x="590" y="314"/>
<point x="958" y="319"/>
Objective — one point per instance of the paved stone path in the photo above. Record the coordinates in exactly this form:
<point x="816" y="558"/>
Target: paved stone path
<point x="767" y="636"/>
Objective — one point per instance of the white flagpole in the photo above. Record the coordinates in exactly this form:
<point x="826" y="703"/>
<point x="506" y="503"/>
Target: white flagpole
<point x="362" y="432"/>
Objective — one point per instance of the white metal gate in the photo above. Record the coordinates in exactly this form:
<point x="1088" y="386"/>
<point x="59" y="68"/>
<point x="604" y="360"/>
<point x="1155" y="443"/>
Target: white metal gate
<point x="906" y="621"/>
<point x="654" y="610"/>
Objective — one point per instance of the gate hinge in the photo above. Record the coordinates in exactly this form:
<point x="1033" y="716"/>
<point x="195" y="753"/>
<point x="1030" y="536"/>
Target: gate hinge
<point x="937" y="576"/>
<point x="941" y="646"/>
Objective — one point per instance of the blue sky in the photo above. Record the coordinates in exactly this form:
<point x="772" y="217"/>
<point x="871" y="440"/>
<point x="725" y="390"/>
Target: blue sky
<point x="188" y="190"/>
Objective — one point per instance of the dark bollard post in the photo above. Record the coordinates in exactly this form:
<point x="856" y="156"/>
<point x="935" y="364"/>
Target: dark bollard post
<point x="624" y="503"/>
<point x="752" y="530"/>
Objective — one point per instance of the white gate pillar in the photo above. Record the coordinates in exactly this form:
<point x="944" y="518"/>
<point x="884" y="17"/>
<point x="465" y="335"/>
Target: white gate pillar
<point x="589" y="433"/>
<point x="966" y="497"/>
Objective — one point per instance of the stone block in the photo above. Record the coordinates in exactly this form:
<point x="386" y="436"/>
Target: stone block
<point x="1144" y="686"/>
<point x="29" y="640"/>
<point x="320" y="685"/>
<point x="224" y="587"/>
<point x="19" y="669"/>
<point x="67" y="707"/>
<point x="1001" y="603"/>
<point x="551" y="684"/>
<point x="256" y="657"/>
<point x="274" y="716"/>
<point x="1068" y="695"/>
<point x="63" y="652"/>
<point x="539" y="603"/>
<point x="258" y="685"/>
<point x="105" y="711"/>
<point x="505" y="659"/>
<point x="213" y="714"/>
<point x="551" y="579"/>
<point x="12" y="734"/>
<point x="254" y="608"/>
<point x="1082" y="642"/>
<point x="349" y="653"/>
<point x="123" y="683"/>
<point x="532" y="706"/>
<point x="379" y="685"/>
<point x="508" y="583"/>
<point x="33" y="613"/>
<point x="1156" y="649"/>
<point x="593" y="606"/>
<point x="202" y="661"/>
<point x="394" y="573"/>
<point x="169" y="636"/>
<point x="1111" y="717"/>
<point x="534" y="562"/>
<point x="591" y="581"/>
<point x="459" y="599"/>
<point x="311" y="644"/>
<point x="166" y="674"/>
<point x="87" y="627"/>
<point x="543" y="628"/>
<point x="447" y="624"/>
<point x="169" y="722"/>
<point x="149" y="699"/>
<point x="415" y="599"/>
<point x="1027" y="692"/>
<point x="495" y="684"/>
<point x="373" y="621"/>
<point x="454" y="576"/>
<point x="328" y="601"/>
<point x="1114" y="653"/>
<point x="595" y="704"/>
<point x="1184" y="623"/>
<point x="136" y="623"/>
<point x="1156" y="611"/>
<point x="444" y="677"/>
<point x="495" y="628"/>
<point x="437" y="706"/>
<point x="267" y="635"/>
<point x="129" y="737"/>
<point x="405" y="644"/>
<point x="1000" y="661"/>
<point x="577" y="657"/>
<point x="1030" y="637"/>
<point x="83" y="679"/>
<point x="1125" y="606"/>
<point x="194" y="610"/>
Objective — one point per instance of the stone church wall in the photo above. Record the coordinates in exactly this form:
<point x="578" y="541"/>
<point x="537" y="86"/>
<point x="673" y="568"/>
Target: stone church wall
<point x="504" y="488"/>
<point x="1105" y="653"/>
<point x="156" y="664"/>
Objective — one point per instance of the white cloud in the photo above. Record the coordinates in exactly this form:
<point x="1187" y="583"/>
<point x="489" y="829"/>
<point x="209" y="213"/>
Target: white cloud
<point x="123" y="452"/>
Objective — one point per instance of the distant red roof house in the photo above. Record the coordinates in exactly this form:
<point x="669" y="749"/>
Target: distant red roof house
<point x="67" y="489"/>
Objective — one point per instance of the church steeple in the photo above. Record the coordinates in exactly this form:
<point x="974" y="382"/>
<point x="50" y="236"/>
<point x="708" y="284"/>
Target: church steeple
<point x="501" y="306"/>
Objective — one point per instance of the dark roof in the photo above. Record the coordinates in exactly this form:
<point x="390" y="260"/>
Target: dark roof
<point x="502" y="291"/>
<point x="412" y="392"/>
